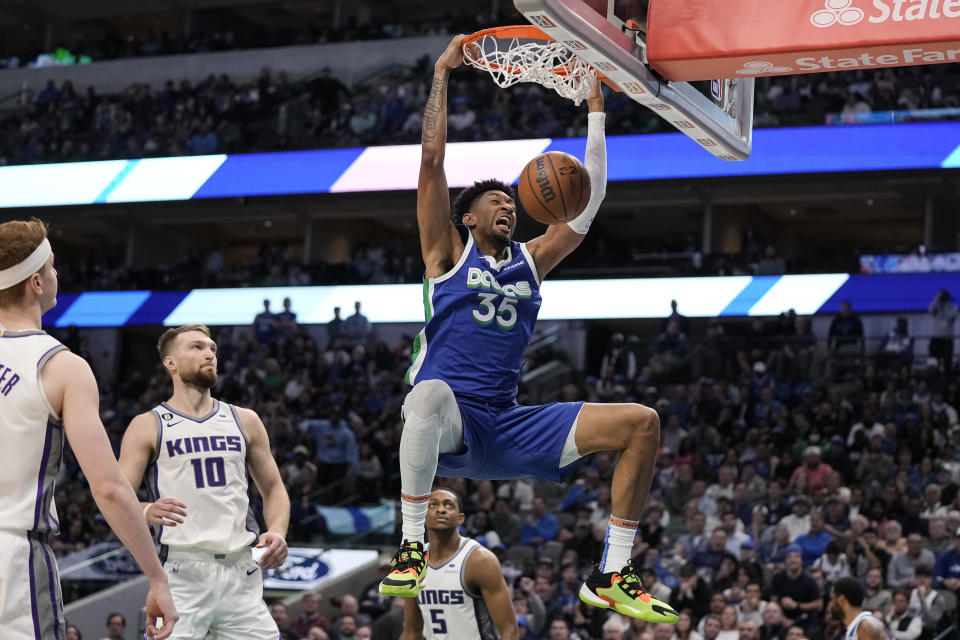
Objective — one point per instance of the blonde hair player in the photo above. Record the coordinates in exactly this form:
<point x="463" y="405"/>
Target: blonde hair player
<point x="47" y="393"/>
<point x="198" y="451"/>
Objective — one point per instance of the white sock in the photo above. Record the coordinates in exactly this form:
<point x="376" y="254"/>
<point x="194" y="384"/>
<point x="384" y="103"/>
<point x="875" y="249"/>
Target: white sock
<point x="618" y="544"/>
<point x="419" y="451"/>
<point x="431" y="427"/>
<point x="414" y="510"/>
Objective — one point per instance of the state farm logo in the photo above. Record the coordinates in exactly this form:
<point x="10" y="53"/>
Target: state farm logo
<point x="541" y="21"/>
<point x="762" y="67"/>
<point x="575" y="45"/>
<point x="633" y="87"/>
<point x="603" y="65"/>
<point x="683" y="124"/>
<point x="837" y="12"/>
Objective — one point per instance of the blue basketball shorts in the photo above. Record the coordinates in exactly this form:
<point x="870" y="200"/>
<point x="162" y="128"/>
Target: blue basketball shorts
<point x="505" y="441"/>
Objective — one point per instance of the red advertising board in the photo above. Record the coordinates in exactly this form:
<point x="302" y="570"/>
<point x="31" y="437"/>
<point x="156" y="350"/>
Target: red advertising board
<point x="706" y="39"/>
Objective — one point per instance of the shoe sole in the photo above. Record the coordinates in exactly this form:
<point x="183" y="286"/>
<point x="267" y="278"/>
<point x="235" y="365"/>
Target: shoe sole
<point x="403" y="590"/>
<point x="668" y="616"/>
<point x="400" y="592"/>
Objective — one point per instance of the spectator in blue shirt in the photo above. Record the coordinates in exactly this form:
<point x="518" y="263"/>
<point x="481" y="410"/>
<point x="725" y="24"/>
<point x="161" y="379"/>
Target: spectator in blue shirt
<point x="540" y="526"/>
<point x="336" y="447"/>
<point x="204" y="141"/>
<point x="846" y="329"/>
<point x="774" y="551"/>
<point x="355" y="329"/>
<point x="814" y="544"/>
<point x="286" y="320"/>
<point x="712" y="557"/>
<point x="946" y="572"/>
<point x="264" y="323"/>
<point x="583" y="493"/>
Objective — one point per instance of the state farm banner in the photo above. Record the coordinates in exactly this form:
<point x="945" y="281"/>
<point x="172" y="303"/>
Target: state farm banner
<point x="707" y="39"/>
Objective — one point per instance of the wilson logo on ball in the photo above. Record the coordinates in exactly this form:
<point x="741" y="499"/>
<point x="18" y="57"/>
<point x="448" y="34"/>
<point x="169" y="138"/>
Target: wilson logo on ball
<point x="546" y="189"/>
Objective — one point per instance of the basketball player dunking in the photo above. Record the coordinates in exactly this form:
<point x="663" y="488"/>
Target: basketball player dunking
<point x="463" y="596"/>
<point x="46" y="392"/>
<point x="846" y="598"/>
<point x="198" y="450"/>
<point x="461" y="417"/>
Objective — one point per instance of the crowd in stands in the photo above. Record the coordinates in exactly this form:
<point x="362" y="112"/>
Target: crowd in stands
<point x="372" y="262"/>
<point x="788" y="460"/>
<point x="274" y="113"/>
<point x="158" y="42"/>
<point x="392" y="262"/>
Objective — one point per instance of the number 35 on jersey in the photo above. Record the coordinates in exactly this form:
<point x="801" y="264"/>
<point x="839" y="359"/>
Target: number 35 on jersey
<point x="498" y="302"/>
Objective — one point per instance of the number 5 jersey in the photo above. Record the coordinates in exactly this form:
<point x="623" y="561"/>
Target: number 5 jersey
<point x="449" y="609"/>
<point x="203" y="463"/>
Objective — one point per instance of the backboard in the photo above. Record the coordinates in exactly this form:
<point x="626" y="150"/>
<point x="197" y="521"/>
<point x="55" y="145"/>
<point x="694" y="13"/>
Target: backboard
<point x="609" y="34"/>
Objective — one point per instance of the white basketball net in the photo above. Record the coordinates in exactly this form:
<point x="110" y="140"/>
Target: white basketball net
<point x="512" y="61"/>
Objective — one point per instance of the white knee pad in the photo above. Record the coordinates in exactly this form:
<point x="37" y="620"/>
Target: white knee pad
<point x="431" y="426"/>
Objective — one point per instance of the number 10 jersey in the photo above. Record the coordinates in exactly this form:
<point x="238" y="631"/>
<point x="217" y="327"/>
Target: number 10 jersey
<point x="479" y="319"/>
<point x="203" y="463"/>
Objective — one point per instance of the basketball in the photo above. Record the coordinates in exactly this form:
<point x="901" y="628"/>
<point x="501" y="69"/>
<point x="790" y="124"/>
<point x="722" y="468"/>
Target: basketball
<point x="554" y="188"/>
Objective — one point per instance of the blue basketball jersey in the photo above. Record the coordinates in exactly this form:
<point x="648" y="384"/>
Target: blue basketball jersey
<point x="479" y="319"/>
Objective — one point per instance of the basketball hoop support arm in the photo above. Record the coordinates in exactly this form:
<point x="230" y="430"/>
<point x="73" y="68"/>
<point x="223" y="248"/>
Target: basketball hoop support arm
<point x="615" y="54"/>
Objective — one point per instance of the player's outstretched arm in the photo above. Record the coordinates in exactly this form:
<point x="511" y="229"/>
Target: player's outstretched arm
<point x="560" y="240"/>
<point x="266" y="475"/>
<point x="72" y="391"/>
<point x="484" y="575"/>
<point x="136" y="451"/>
<point x="440" y="243"/>
<point x="412" y="620"/>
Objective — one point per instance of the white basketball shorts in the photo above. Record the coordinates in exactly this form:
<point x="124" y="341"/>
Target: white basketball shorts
<point x="218" y="593"/>
<point x="31" y="607"/>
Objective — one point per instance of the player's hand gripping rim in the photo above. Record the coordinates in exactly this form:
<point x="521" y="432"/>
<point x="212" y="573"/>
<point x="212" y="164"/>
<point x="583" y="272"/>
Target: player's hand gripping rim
<point x="452" y="57"/>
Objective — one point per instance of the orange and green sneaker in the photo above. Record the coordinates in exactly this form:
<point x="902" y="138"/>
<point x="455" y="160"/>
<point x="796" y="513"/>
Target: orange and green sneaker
<point x="623" y="592"/>
<point x="408" y="573"/>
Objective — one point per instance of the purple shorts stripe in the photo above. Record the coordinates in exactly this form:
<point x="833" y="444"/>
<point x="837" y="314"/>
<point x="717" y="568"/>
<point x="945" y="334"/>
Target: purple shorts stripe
<point x="33" y="594"/>
<point x="53" y="592"/>
<point x="40" y="478"/>
<point x="156" y="492"/>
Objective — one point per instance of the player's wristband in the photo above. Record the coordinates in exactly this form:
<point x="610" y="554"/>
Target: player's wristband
<point x="145" y="509"/>
<point x="595" y="161"/>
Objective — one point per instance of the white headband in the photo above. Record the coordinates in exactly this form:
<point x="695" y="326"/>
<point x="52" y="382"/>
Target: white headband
<point x="23" y="270"/>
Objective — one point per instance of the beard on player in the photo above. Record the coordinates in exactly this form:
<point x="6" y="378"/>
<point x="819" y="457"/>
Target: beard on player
<point x="500" y="217"/>
<point x="205" y="377"/>
<point x="489" y="210"/>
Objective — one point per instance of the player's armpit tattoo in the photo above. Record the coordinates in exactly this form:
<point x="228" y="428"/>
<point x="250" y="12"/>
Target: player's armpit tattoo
<point x="431" y="113"/>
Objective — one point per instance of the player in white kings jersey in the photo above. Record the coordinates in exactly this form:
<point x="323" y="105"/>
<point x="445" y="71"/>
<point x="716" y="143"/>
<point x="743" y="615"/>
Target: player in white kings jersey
<point x="198" y="451"/>
<point x="47" y="392"/>
<point x="463" y="596"/>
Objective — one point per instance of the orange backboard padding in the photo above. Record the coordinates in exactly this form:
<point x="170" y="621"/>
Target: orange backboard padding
<point x="706" y="39"/>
